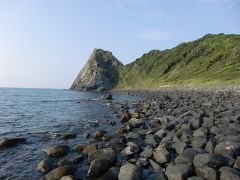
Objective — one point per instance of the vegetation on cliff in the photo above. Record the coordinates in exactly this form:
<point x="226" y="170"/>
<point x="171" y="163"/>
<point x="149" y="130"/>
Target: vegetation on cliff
<point x="210" y="60"/>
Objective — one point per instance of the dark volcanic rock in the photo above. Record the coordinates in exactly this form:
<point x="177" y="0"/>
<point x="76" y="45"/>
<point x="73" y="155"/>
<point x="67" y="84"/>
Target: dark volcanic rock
<point x="179" y="172"/>
<point x="129" y="172"/>
<point x="11" y="142"/>
<point x="212" y="160"/>
<point x="57" y="150"/>
<point x="97" y="168"/>
<point x="107" y="154"/>
<point x="60" y="172"/>
<point x="44" y="166"/>
<point x="101" y="73"/>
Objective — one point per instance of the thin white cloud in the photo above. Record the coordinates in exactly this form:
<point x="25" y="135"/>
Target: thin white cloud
<point x="155" y="34"/>
<point x="229" y="3"/>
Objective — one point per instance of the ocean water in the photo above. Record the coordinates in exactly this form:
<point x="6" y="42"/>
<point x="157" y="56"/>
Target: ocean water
<point x="42" y="116"/>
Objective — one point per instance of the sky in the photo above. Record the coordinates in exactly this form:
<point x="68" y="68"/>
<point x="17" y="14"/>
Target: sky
<point x="45" y="43"/>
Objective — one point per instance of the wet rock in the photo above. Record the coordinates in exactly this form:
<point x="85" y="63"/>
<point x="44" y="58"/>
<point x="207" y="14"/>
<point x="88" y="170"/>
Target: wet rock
<point x="90" y="148"/>
<point x="186" y="157"/>
<point x="69" y="136"/>
<point x="161" y="133"/>
<point x="151" y="140"/>
<point x="156" y="175"/>
<point x="70" y="178"/>
<point x="120" y="131"/>
<point x="228" y="173"/>
<point x="129" y="172"/>
<point x="44" y="166"/>
<point x="98" y="134"/>
<point x="77" y="159"/>
<point x="11" y="142"/>
<point x="107" y="154"/>
<point x="195" y="123"/>
<point x="107" y="97"/>
<point x="125" y="117"/>
<point x="79" y="148"/>
<point x="211" y="160"/>
<point x="131" y="149"/>
<point x="111" y="174"/>
<point x="147" y="153"/>
<point x="60" y="172"/>
<point x="57" y="150"/>
<point x="230" y="148"/>
<point x="64" y="162"/>
<point x="207" y="173"/>
<point x="161" y="155"/>
<point x="210" y="146"/>
<point x="117" y="144"/>
<point x="133" y="136"/>
<point x="195" y="178"/>
<point x="142" y="162"/>
<point x="136" y="122"/>
<point x="237" y="163"/>
<point x="154" y="165"/>
<point x="179" y="172"/>
<point x="179" y="146"/>
<point x="97" y="168"/>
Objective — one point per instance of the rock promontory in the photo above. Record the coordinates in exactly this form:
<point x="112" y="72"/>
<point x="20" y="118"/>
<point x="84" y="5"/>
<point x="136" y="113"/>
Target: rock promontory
<point x="101" y="72"/>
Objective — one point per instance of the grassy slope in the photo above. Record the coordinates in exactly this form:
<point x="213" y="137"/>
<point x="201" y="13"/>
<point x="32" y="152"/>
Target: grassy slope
<point x="211" y="60"/>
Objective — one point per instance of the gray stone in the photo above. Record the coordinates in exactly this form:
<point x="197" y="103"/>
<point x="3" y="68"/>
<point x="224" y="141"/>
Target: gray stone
<point x="237" y="163"/>
<point x="154" y="165"/>
<point x="11" y="142"/>
<point x="107" y="154"/>
<point x="129" y="172"/>
<point x="133" y="136"/>
<point x="210" y="146"/>
<point x="179" y="146"/>
<point x="111" y="174"/>
<point x="147" y="153"/>
<point x="79" y="147"/>
<point x="136" y="122"/>
<point x="228" y="173"/>
<point x="161" y="155"/>
<point x="131" y="149"/>
<point x="44" y="166"/>
<point x="211" y="160"/>
<point x="179" y="172"/>
<point x="97" y="168"/>
<point x="230" y="148"/>
<point x="151" y="140"/>
<point x="90" y="148"/>
<point x="195" y="178"/>
<point x="57" y="150"/>
<point x="186" y="157"/>
<point x="70" y="178"/>
<point x="207" y="173"/>
<point x="60" y="172"/>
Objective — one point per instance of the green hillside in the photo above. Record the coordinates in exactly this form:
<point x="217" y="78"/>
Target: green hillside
<point x="210" y="60"/>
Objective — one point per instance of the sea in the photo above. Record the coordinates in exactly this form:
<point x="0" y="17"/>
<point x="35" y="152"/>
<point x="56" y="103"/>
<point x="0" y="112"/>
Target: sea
<point x="42" y="116"/>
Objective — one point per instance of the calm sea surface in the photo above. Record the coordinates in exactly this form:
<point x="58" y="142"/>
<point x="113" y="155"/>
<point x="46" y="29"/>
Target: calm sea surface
<point x="42" y="116"/>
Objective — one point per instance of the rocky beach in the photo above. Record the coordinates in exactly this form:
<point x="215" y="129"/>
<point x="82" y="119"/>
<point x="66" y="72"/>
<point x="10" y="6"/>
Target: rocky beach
<point x="172" y="133"/>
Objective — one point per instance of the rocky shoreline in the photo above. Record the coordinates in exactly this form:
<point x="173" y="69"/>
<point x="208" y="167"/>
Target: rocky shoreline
<point x="172" y="133"/>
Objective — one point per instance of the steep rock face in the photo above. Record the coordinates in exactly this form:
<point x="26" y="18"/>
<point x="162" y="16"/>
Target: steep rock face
<point x="101" y="73"/>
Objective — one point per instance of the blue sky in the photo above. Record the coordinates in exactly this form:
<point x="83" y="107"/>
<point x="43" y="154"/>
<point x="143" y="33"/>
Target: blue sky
<point x="45" y="43"/>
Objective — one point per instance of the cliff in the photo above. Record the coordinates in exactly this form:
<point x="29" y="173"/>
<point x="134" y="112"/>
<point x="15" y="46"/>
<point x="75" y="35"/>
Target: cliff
<point x="210" y="60"/>
<point x="101" y="73"/>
